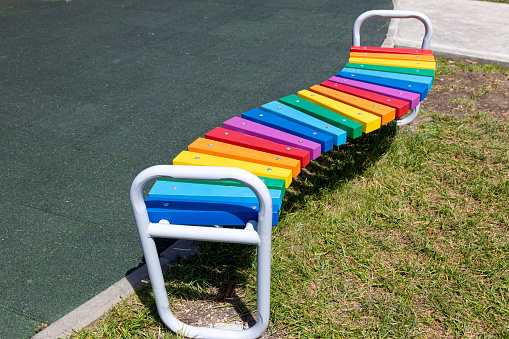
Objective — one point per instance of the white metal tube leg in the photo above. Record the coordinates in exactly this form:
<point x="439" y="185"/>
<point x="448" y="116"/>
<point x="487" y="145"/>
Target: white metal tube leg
<point x="148" y="231"/>
<point x="410" y="117"/>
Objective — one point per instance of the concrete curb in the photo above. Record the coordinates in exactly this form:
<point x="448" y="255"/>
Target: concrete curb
<point x="445" y="52"/>
<point x="96" y="307"/>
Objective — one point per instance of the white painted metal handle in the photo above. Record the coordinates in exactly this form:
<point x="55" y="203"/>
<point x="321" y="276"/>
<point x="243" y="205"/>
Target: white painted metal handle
<point x="356" y="38"/>
<point x="247" y="236"/>
<point x="261" y="237"/>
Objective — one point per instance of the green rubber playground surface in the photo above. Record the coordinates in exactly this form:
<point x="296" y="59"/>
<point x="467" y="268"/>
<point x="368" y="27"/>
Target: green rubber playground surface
<point x="92" y="92"/>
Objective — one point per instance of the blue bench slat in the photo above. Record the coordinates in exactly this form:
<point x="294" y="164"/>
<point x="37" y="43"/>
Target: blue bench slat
<point x="203" y="213"/>
<point x="398" y="84"/>
<point x="338" y="135"/>
<point x="288" y="126"/>
<point x="428" y="81"/>
<point x="353" y="129"/>
<point x="271" y="183"/>
<point x="186" y="191"/>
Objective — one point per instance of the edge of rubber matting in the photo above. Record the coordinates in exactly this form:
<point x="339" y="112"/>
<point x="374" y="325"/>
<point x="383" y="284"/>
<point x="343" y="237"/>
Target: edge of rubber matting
<point x="96" y="307"/>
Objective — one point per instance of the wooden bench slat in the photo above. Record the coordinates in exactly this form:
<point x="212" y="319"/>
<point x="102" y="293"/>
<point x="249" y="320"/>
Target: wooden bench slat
<point x="400" y="106"/>
<point x="369" y="49"/>
<point x="272" y="134"/>
<point x="398" y="63"/>
<point x="338" y="135"/>
<point x="271" y="183"/>
<point x="200" y="159"/>
<point x="244" y="140"/>
<point x="427" y="81"/>
<point x="225" y="150"/>
<point x="393" y="56"/>
<point x="352" y="128"/>
<point x="420" y="89"/>
<point x="186" y="191"/>
<point x="394" y="69"/>
<point x="369" y="122"/>
<point x="204" y="213"/>
<point x="413" y="99"/>
<point x="385" y="113"/>
<point x="288" y="126"/>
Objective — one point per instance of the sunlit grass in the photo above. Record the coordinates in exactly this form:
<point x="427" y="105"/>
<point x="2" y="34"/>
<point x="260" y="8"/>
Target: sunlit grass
<point x="401" y="233"/>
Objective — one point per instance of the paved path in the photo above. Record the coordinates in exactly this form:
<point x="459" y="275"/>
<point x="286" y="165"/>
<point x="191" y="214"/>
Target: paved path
<point x="94" y="91"/>
<point x="476" y="30"/>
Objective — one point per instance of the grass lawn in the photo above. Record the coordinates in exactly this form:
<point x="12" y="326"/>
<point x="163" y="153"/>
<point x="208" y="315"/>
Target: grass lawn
<point x="502" y="1"/>
<point x="400" y="233"/>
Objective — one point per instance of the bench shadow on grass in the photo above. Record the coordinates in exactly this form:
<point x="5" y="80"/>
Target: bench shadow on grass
<point x="215" y="273"/>
<point x="339" y="166"/>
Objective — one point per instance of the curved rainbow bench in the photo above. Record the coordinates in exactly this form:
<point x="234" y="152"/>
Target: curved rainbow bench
<point x="238" y="173"/>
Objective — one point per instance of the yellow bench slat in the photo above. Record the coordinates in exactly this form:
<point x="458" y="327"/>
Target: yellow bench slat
<point x="397" y="63"/>
<point x="201" y="159"/>
<point x="222" y="149"/>
<point x="410" y="57"/>
<point x="368" y="121"/>
<point x="386" y="113"/>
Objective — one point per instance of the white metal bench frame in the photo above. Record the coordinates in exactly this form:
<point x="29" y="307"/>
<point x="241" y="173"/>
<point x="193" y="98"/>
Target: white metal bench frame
<point x="396" y="14"/>
<point x="255" y="232"/>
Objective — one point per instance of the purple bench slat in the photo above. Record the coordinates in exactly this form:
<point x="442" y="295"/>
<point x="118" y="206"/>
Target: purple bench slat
<point x="268" y="133"/>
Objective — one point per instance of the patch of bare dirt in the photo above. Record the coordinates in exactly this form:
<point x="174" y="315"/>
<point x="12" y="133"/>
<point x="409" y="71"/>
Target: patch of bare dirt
<point x="467" y="91"/>
<point x="227" y="311"/>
